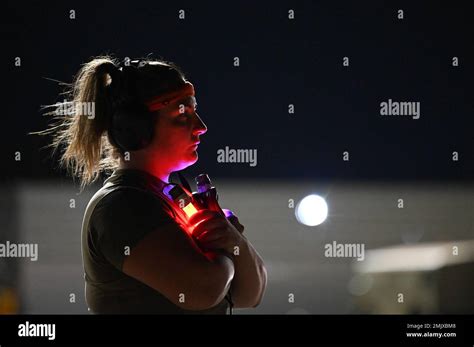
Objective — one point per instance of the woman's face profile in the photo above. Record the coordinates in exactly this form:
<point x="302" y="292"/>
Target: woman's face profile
<point x="177" y="132"/>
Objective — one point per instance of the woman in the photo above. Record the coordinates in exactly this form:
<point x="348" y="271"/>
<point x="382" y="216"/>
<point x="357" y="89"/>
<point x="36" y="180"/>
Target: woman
<point x="137" y="255"/>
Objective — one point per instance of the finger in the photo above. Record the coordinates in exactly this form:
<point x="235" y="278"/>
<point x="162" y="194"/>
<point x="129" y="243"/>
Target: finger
<point x="210" y="224"/>
<point x="221" y="243"/>
<point x="207" y="235"/>
<point x="202" y="215"/>
<point x="198" y="237"/>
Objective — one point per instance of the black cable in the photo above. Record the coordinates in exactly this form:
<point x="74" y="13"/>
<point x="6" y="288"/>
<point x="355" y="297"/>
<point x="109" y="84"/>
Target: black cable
<point x="184" y="182"/>
<point x="228" y="297"/>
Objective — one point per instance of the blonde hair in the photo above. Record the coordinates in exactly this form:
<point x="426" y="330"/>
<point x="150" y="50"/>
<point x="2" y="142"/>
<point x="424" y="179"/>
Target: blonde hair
<point x="83" y="141"/>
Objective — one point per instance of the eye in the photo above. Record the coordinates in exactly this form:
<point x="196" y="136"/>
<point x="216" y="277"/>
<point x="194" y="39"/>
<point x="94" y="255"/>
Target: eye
<point x="190" y="110"/>
<point x="185" y="111"/>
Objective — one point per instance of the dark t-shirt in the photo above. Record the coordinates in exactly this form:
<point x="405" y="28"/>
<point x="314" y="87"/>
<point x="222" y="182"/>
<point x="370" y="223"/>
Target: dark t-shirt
<point x="118" y="216"/>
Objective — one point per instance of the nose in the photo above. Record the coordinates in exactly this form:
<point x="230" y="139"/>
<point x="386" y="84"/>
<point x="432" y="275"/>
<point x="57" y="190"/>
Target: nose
<point x="199" y="126"/>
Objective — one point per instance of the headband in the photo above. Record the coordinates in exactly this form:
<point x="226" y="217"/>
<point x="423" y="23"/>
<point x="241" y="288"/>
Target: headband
<point x="161" y="101"/>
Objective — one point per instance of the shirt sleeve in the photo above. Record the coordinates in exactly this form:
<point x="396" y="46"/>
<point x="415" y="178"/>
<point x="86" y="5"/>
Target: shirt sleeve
<point x="122" y="218"/>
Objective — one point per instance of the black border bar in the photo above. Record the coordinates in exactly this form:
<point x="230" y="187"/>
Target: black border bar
<point x="261" y="329"/>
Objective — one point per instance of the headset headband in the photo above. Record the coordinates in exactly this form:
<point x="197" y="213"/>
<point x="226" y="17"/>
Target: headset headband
<point x="161" y="101"/>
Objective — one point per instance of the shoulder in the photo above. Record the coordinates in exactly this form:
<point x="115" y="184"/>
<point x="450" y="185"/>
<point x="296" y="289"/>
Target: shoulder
<point x="129" y="198"/>
<point x="130" y="205"/>
<point x="123" y="217"/>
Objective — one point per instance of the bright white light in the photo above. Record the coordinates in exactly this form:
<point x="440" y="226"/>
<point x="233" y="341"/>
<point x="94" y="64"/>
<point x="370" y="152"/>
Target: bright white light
<point x="312" y="210"/>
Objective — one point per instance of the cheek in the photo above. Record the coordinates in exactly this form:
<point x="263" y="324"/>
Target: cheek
<point x="170" y="132"/>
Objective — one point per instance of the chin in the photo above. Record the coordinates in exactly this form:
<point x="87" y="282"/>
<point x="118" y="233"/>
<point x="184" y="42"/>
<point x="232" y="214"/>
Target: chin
<point x="190" y="160"/>
<point x="194" y="158"/>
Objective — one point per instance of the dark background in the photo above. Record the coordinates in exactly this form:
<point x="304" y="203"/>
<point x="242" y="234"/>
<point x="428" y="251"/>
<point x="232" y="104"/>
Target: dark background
<point x="282" y="61"/>
<point x="337" y="108"/>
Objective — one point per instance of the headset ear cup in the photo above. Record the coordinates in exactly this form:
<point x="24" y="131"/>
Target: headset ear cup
<point x="132" y="127"/>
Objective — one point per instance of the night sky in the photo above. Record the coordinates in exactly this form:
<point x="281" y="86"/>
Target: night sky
<point x="282" y="61"/>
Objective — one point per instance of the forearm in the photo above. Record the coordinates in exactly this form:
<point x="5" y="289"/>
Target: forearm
<point x="250" y="276"/>
<point x="221" y="273"/>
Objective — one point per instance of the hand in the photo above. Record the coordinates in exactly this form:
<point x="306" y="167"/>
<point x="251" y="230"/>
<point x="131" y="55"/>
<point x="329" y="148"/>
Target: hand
<point x="213" y="231"/>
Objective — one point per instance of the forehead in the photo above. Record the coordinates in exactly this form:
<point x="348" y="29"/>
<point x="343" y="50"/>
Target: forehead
<point x="187" y="101"/>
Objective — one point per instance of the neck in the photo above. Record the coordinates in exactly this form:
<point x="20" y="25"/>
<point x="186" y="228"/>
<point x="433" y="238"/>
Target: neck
<point x="140" y="162"/>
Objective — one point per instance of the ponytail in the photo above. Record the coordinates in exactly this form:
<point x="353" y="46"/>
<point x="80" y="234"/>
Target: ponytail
<point x="86" y="150"/>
